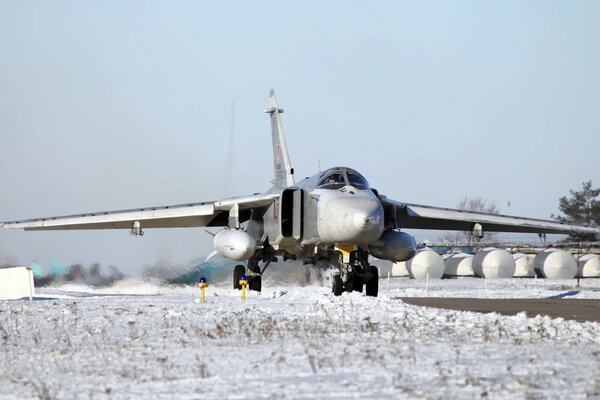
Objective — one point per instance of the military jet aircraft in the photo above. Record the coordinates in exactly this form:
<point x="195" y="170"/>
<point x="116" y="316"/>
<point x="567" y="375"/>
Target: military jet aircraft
<point x="333" y="216"/>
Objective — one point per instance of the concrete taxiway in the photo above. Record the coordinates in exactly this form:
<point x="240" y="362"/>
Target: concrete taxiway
<point x="574" y="309"/>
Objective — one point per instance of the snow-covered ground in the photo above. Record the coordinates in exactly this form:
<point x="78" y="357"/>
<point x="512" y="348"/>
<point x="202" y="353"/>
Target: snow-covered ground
<point x="141" y="340"/>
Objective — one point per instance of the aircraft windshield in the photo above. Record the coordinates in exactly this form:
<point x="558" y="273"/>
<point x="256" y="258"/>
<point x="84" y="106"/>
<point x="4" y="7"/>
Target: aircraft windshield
<point x="332" y="181"/>
<point x="338" y="178"/>
<point x="357" y="181"/>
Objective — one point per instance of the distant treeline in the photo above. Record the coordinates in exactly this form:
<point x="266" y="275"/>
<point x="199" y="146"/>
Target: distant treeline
<point x="91" y="276"/>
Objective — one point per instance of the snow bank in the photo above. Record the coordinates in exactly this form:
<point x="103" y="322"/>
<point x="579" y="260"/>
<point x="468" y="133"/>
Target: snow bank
<point x="290" y="342"/>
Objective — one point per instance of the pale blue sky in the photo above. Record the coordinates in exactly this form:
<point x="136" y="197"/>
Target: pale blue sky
<point x="114" y="104"/>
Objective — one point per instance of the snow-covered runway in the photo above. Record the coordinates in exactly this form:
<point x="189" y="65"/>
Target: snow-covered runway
<point x="145" y="341"/>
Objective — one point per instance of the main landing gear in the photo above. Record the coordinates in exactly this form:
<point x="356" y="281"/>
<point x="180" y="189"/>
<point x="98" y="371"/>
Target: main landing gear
<point x="253" y="273"/>
<point x="355" y="273"/>
<point x="254" y="278"/>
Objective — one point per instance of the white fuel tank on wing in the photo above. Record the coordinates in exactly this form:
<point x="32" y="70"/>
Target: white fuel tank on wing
<point x="523" y="265"/>
<point x="555" y="264"/>
<point x="589" y="266"/>
<point x="460" y="264"/>
<point x="425" y="263"/>
<point x="493" y="263"/>
<point x="234" y="244"/>
<point x="394" y="246"/>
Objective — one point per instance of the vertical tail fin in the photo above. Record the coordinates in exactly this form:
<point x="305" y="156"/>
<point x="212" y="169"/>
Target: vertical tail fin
<point x="283" y="169"/>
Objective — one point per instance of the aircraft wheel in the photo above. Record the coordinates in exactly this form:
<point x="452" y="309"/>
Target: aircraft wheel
<point x="372" y="287"/>
<point x="354" y="284"/>
<point x="255" y="283"/>
<point x="349" y="284"/>
<point x="238" y="271"/>
<point x="338" y="286"/>
<point x="357" y="284"/>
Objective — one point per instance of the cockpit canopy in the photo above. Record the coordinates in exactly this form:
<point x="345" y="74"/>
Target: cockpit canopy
<point x="336" y="178"/>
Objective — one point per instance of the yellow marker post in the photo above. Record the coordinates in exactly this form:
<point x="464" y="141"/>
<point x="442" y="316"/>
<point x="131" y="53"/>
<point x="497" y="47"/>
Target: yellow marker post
<point x="243" y="283"/>
<point x="203" y="286"/>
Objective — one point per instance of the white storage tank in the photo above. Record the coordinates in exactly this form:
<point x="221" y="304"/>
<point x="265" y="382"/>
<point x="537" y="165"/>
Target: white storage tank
<point x="493" y="263"/>
<point x="555" y="264"/>
<point x="524" y="265"/>
<point x="425" y="262"/>
<point x="589" y="266"/>
<point x="399" y="269"/>
<point x="460" y="264"/>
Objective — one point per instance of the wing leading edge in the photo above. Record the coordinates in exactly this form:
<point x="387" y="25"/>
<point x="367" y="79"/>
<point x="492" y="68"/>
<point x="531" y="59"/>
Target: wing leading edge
<point x="415" y="216"/>
<point x="178" y="216"/>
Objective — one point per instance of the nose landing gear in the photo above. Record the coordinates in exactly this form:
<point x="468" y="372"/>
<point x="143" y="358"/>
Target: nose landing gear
<point x="354" y="273"/>
<point x="372" y="286"/>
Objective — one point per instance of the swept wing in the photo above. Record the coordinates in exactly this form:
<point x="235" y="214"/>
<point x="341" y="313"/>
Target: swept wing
<point x="214" y="213"/>
<point x="415" y="216"/>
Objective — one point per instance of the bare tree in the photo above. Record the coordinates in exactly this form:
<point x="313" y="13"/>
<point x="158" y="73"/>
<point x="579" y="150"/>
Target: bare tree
<point x="477" y="204"/>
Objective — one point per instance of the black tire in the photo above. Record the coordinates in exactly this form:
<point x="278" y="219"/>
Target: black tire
<point x="255" y="283"/>
<point x="372" y="287"/>
<point x="338" y="286"/>
<point x="357" y="284"/>
<point x="238" y="271"/>
<point x="349" y="283"/>
<point x="355" y="281"/>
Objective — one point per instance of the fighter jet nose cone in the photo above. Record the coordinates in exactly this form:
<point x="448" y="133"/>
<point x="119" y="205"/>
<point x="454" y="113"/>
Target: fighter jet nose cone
<point x="363" y="221"/>
<point x="352" y="219"/>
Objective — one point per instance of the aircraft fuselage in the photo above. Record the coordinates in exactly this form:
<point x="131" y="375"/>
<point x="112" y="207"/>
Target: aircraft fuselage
<point x="336" y="206"/>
